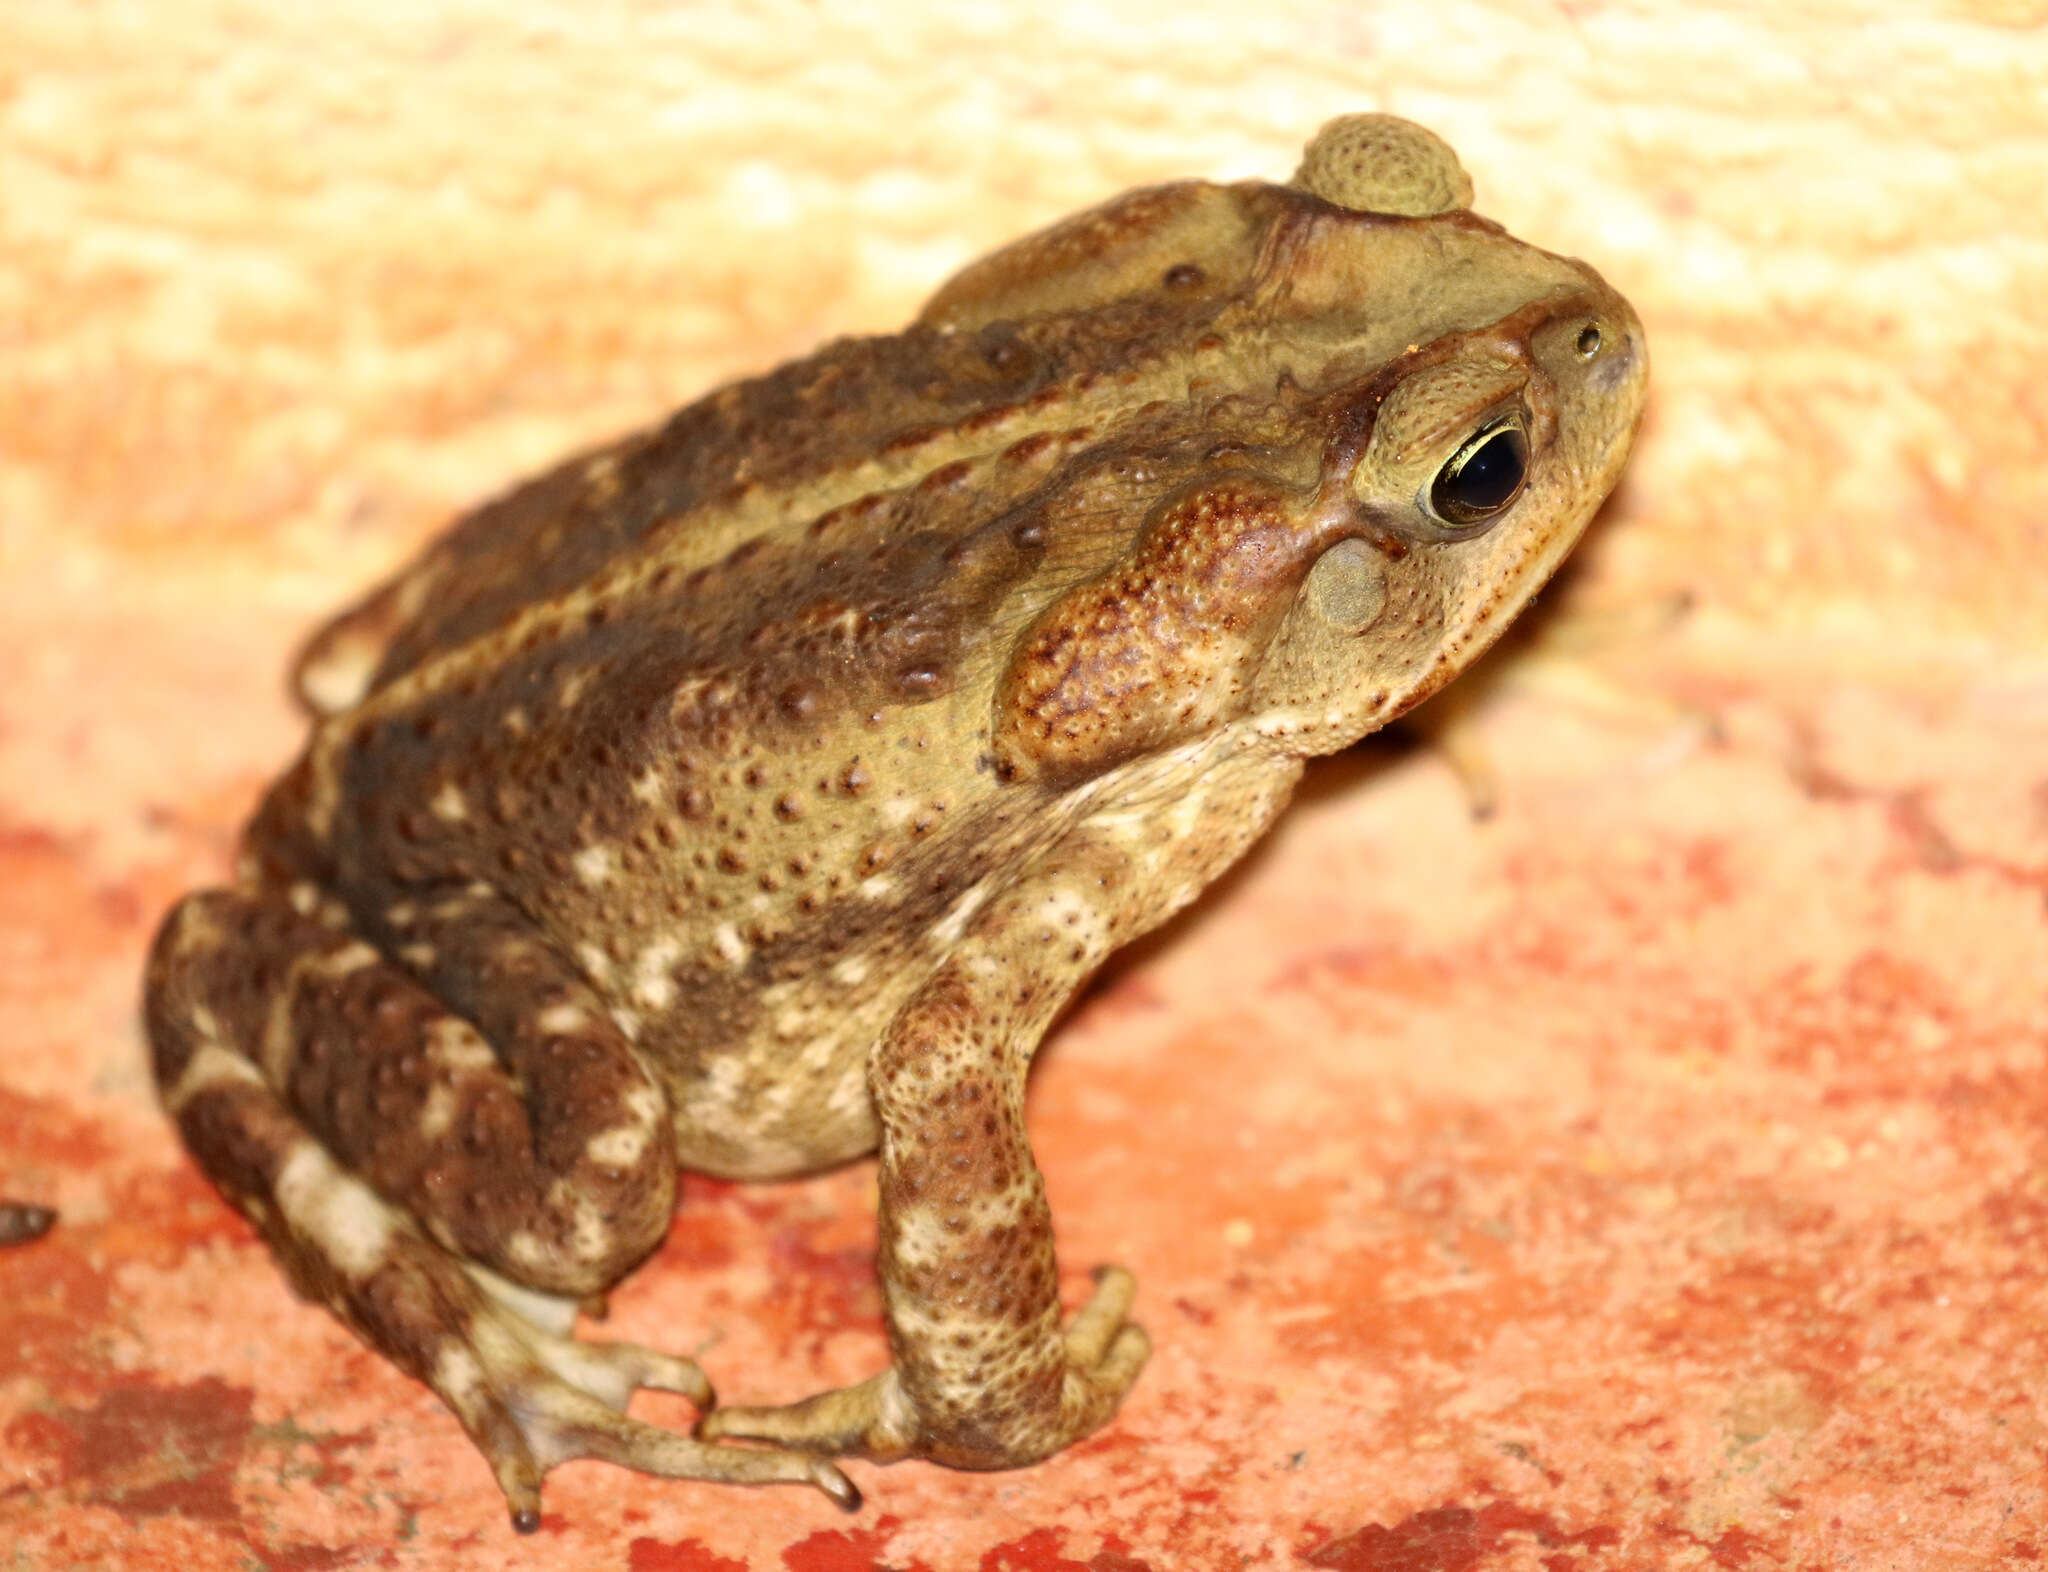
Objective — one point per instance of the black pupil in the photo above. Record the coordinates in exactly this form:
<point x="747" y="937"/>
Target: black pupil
<point x="1488" y="479"/>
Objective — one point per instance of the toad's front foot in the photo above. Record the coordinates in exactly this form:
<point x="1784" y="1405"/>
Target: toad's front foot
<point x="981" y="1406"/>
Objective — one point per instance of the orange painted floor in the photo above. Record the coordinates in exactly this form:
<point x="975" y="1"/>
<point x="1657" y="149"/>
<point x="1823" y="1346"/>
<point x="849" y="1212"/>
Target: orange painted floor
<point x="1653" y="1175"/>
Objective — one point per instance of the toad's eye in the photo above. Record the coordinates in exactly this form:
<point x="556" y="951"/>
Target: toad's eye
<point x="1483" y="476"/>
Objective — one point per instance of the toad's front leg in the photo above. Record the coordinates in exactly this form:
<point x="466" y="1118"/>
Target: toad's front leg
<point x="984" y="1373"/>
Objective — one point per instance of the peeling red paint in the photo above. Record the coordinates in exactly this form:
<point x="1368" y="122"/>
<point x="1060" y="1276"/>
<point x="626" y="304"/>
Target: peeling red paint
<point x="49" y="1133"/>
<point x="685" y="1555"/>
<point x="1041" y="1550"/>
<point x="310" y="1558"/>
<point x="850" y="1550"/>
<point x="823" y="1290"/>
<point x="1737" y="1547"/>
<point x="1449" y="1539"/>
<point x="54" y="1306"/>
<point x="157" y="1215"/>
<point x="145" y="1449"/>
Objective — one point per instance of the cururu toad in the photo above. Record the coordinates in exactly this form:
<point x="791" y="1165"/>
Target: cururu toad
<point x="752" y="794"/>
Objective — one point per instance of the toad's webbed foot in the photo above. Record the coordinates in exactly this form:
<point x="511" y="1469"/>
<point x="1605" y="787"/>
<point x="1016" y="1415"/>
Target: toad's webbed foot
<point x="532" y="1397"/>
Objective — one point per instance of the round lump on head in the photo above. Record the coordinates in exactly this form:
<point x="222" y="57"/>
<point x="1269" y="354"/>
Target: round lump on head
<point x="1383" y="164"/>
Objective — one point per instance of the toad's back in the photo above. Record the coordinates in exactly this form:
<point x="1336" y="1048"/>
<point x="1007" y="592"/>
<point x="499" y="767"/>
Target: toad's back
<point x="856" y="421"/>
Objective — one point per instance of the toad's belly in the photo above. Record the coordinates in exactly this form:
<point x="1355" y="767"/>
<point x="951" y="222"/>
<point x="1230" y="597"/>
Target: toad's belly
<point x="734" y="1124"/>
<point x="790" y="1096"/>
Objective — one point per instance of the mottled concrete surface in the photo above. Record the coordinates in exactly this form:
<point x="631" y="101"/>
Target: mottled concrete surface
<point x="1649" y="1176"/>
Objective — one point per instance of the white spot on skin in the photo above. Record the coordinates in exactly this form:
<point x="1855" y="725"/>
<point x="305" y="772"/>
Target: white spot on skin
<point x="601" y="475"/>
<point x="949" y="929"/>
<point x="919" y="1235"/>
<point x="620" y="1148"/>
<point x="702" y="693"/>
<point x="728" y="1073"/>
<point x="646" y="1104"/>
<point x="624" y="1145"/>
<point x="457" y="1377"/>
<point x="206" y="1025"/>
<point x="654" y="985"/>
<point x="1071" y="913"/>
<point x="591" y="1238"/>
<point x="457" y="1046"/>
<point x="459" y="905"/>
<point x="710" y="1107"/>
<point x="561" y="1020"/>
<point x="655" y="994"/>
<point x="570" y="693"/>
<point x="596" y="864"/>
<point x="850" y="1093"/>
<point x="437" y="1113"/>
<point x="448" y="803"/>
<point x="198" y="933"/>
<point x="211" y="1066"/>
<point x="341" y="1215"/>
<point x="1278" y="725"/>
<point x="725" y="939"/>
<point x="341" y="673"/>
<point x="1184" y="815"/>
<point x="325" y="800"/>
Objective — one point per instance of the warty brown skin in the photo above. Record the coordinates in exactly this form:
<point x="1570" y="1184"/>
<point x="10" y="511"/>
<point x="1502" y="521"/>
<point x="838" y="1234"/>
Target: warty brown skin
<point x="753" y="794"/>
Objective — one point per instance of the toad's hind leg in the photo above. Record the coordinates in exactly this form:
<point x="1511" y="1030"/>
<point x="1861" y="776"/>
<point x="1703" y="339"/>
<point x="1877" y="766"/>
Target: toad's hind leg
<point x="292" y="1125"/>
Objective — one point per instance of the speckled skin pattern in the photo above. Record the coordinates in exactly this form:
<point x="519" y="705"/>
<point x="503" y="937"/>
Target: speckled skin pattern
<point x="753" y="795"/>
